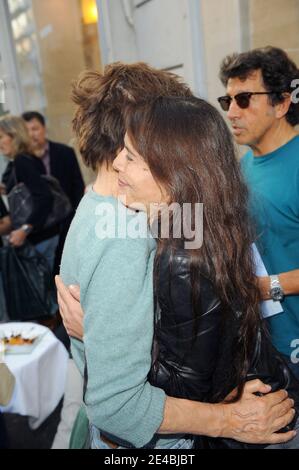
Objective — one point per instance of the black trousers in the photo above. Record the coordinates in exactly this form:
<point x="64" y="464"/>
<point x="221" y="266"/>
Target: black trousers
<point x="3" y="433"/>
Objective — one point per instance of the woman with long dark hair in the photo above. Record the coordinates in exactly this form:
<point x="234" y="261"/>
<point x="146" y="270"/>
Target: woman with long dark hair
<point x="143" y="179"/>
<point x="209" y="336"/>
<point x="190" y="153"/>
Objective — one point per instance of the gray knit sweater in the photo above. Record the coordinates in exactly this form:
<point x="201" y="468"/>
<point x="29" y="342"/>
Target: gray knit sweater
<point x="114" y="271"/>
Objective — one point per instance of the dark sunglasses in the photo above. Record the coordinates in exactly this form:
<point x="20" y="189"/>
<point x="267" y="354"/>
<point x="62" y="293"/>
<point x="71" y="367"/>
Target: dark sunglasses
<point x="242" y="99"/>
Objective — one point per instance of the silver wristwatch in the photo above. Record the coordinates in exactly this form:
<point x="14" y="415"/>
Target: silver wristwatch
<point x="26" y="228"/>
<point x="276" y="291"/>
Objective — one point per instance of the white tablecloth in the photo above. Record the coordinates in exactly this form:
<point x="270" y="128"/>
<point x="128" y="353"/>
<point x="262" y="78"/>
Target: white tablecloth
<point x="40" y="379"/>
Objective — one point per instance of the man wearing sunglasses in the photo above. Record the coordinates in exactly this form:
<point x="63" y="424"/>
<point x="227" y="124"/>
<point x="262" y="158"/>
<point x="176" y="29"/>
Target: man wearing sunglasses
<point x="260" y="108"/>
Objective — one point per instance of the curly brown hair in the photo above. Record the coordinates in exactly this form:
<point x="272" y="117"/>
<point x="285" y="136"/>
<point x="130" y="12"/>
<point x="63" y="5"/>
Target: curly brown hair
<point x="278" y="72"/>
<point x="102" y="100"/>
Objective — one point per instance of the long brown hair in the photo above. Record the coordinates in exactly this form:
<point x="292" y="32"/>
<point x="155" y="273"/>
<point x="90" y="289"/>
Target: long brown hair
<point x="190" y="151"/>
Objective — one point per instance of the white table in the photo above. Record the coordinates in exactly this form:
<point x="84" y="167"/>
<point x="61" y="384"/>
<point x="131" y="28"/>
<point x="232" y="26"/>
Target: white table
<point x="40" y="378"/>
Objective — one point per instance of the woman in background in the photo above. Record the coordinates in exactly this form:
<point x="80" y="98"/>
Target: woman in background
<point x="25" y="168"/>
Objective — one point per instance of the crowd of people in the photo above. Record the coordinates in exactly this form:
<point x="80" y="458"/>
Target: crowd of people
<point x="23" y="140"/>
<point x="169" y="345"/>
<point x="31" y="156"/>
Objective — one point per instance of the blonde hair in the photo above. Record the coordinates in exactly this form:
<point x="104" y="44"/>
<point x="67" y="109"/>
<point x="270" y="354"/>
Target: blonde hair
<point x="15" y="127"/>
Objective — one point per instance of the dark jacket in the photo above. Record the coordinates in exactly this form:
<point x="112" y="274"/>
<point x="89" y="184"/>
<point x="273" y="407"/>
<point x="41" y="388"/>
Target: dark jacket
<point x="28" y="169"/>
<point x="65" y="168"/>
<point x="3" y="210"/>
<point x="3" y="213"/>
<point x="184" y="360"/>
<point x="193" y="353"/>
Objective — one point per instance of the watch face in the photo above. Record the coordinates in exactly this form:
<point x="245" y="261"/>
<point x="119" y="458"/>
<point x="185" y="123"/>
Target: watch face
<point x="276" y="293"/>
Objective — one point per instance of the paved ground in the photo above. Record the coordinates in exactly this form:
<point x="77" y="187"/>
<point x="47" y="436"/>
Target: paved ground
<point x="20" y="436"/>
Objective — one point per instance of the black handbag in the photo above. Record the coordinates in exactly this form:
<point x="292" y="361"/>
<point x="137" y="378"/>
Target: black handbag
<point x="28" y="284"/>
<point x="21" y="204"/>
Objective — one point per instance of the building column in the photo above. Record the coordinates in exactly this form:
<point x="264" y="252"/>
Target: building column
<point x="13" y="99"/>
<point x="198" y="48"/>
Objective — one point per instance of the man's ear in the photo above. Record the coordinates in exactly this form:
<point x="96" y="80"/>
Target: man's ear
<point x="281" y="109"/>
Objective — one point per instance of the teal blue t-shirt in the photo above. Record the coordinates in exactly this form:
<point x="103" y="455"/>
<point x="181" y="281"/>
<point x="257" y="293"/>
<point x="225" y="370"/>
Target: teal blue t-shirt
<point x="273" y="181"/>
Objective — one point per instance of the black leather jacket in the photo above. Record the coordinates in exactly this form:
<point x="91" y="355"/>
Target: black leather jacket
<point x="192" y="354"/>
<point x="184" y="359"/>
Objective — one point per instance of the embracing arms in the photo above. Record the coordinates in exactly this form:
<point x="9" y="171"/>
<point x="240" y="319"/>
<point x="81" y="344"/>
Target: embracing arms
<point x="252" y="419"/>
